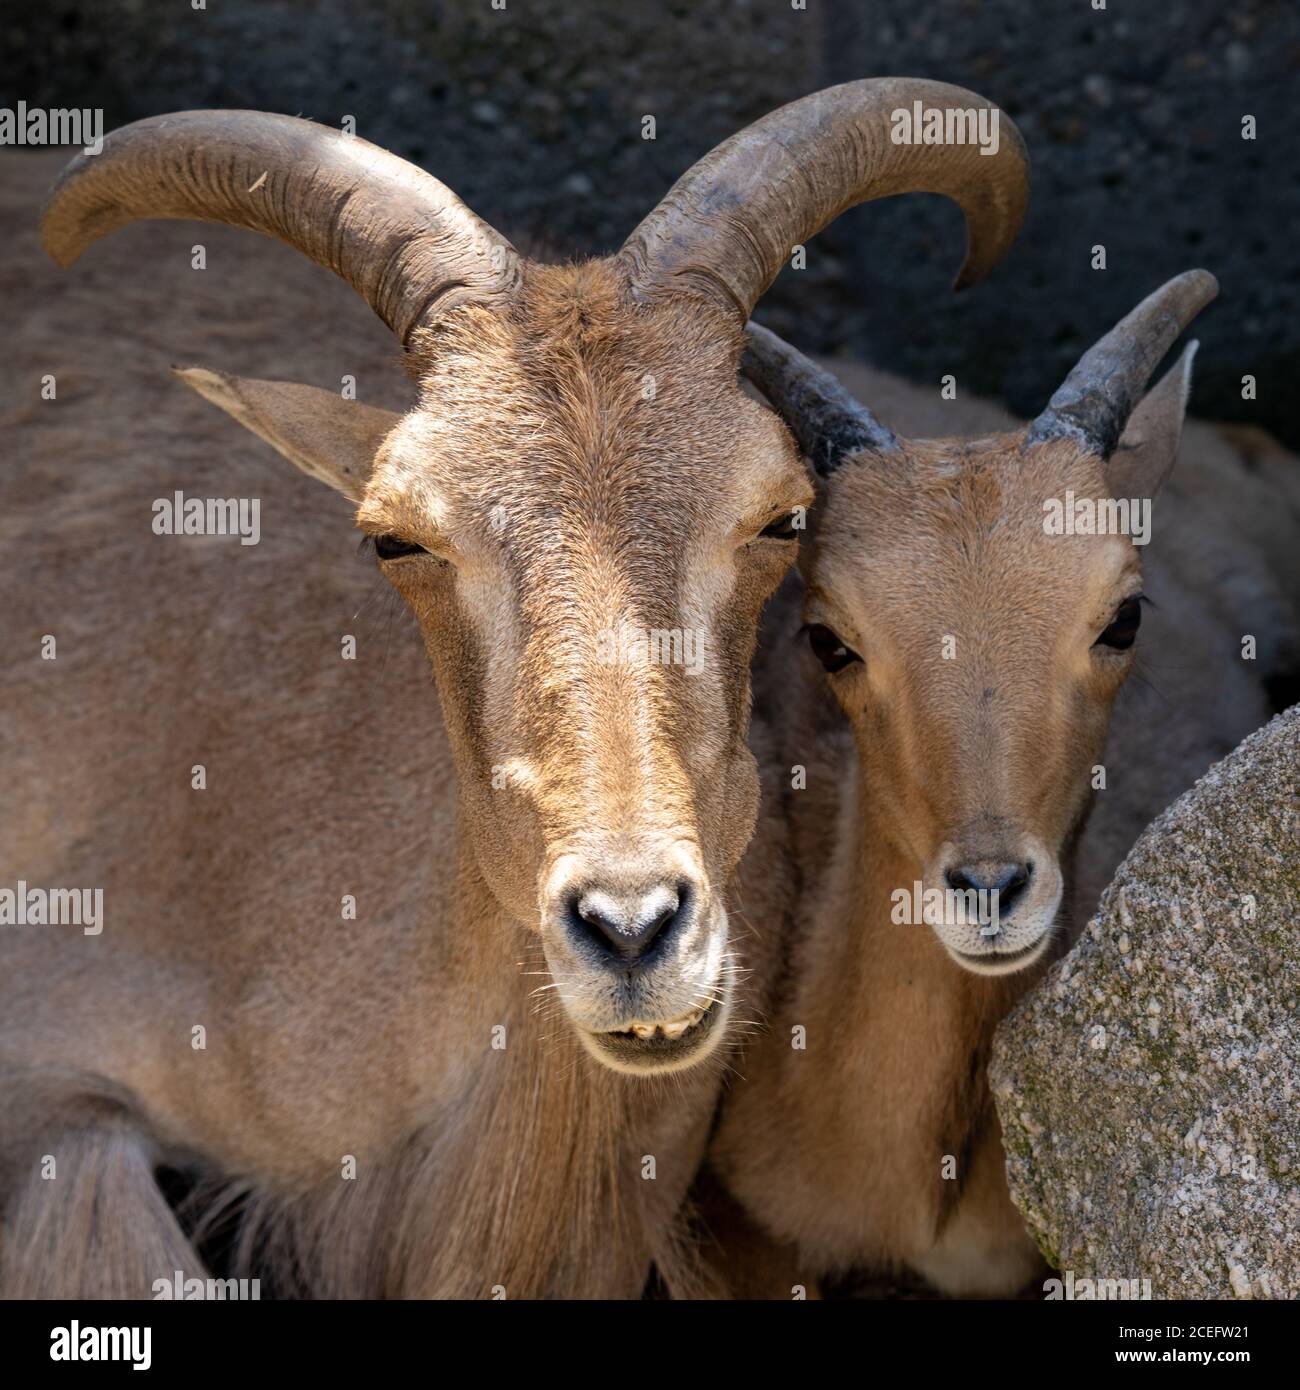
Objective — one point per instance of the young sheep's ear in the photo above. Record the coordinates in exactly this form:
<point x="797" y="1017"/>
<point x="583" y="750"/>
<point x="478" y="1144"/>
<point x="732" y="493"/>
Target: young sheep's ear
<point x="329" y="438"/>
<point x="1149" y="445"/>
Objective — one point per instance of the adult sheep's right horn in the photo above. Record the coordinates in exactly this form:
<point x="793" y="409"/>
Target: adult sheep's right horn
<point x="400" y="238"/>
<point x="728" y="225"/>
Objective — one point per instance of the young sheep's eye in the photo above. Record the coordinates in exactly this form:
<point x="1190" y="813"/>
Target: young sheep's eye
<point x="782" y="529"/>
<point x="390" y="547"/>
<point x="829" y="650"/>
<point x="1123" y="629"/>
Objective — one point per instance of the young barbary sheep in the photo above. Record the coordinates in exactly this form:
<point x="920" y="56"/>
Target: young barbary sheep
<point x="974" y="646"/>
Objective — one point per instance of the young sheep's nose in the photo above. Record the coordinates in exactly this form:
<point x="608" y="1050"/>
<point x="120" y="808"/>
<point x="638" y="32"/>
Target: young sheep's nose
<point x="1008" y="881"/>
<point x="625" y="924"/>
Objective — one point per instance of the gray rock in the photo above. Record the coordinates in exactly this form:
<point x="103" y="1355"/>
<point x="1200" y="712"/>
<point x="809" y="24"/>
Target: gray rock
<point x="1149" y="1090"/>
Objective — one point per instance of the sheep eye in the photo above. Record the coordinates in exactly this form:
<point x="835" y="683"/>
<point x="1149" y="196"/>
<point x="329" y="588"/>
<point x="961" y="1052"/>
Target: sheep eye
<point x="782" y="529"/>
<point x="829" y="650"/>
<point x="1123" y="629"/>
<point x="390" y="547"/>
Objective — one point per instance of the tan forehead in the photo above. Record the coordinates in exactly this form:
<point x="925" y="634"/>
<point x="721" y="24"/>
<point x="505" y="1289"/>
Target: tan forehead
<point x="578" y="356"/>
<point x="584" y="402"/>
<point x="952" y="522"/>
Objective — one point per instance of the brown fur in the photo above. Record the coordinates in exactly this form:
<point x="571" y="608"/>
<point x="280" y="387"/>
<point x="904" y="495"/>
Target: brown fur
<point x="580" y="464"/>
<point x="837" y="1149"/>
<point x="475" y="1168"/>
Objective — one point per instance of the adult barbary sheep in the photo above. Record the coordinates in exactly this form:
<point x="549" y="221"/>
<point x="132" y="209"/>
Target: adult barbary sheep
<point x="580" y="461"/>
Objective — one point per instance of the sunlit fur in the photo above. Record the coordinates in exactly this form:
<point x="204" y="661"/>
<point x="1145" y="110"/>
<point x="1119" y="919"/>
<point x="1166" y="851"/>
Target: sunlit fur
<point x="581" y="468"/>
<point x="520" y="1166"/>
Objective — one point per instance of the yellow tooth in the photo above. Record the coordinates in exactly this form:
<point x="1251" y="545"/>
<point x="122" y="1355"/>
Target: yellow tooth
<point x="671" y="1027"/>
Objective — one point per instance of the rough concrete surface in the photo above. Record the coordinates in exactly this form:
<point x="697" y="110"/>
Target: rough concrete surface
<point x="533" y="113"/>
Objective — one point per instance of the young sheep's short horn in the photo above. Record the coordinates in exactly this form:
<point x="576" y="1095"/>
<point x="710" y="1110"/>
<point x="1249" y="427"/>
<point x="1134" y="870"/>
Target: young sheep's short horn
<point x="1094" y="403"/>
<point x="826" y="421"/>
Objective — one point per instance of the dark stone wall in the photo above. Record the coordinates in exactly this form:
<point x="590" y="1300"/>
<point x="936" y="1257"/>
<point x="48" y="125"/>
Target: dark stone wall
<point x="533" y="114"/>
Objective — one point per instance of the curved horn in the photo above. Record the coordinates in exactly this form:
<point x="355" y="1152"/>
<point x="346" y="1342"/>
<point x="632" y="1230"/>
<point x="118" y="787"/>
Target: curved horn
<point x="824" y="418"/>
<point x="729" y="223"/>
<point x="401" y="239"/>
<point x="1095" y="401"/>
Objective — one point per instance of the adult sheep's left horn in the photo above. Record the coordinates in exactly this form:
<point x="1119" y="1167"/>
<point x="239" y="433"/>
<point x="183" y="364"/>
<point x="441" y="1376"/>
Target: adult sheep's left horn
<point x="728" y="225"/>
<point x="400" y="238"/>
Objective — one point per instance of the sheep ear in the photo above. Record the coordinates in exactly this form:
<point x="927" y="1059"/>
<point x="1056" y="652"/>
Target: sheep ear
<point x="1149" y="445"/>
<point x="330" y="439"/>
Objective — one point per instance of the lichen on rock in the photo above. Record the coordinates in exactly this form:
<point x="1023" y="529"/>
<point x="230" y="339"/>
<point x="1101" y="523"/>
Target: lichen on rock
<point x="1148" y="1089"/>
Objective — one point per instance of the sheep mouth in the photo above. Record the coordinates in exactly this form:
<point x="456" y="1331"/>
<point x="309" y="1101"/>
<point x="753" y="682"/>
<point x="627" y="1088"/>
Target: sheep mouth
<point x="662" y="1044"/>
<point x="1000" y="962"/>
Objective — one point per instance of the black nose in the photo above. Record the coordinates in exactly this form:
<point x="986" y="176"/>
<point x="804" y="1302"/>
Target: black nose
<point x="1008" y="881"/>
<point x="625" y="925"/>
